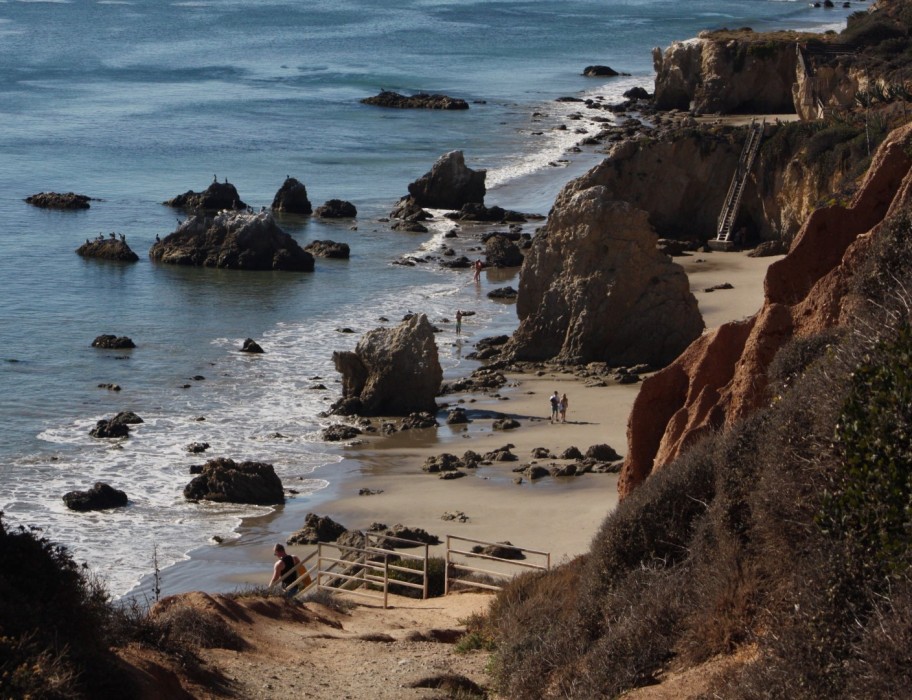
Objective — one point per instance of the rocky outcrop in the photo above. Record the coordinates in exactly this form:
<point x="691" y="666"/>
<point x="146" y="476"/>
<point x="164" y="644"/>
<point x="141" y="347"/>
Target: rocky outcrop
<point x="226" y="481"/>
<point x="449" y="184"/>
<point x="727" y="72"/>
<point x="594" y="288"/>
<point x="252" y="346"/>
<point x="292" y="198"/>
<point x="113" y="342"/>
<point x="392" y="371"/>
<point x="336" y="209"/>
<point x="116" y="427"/>
<point x="235" y="240"/>
<point x="600" y="72"/>
<point x="107" y="249"/>
<point x="475" y="211"/>
<point x="317" y="528"/>
<point x="56" y="200"/>
<point x="421" y="100"/>
<point x="500" y="251"/>
<point x="723" y="376"/>
<point x="100" y="497"/>
<point x="218" y="196"/>
<point x="328" y="249"/>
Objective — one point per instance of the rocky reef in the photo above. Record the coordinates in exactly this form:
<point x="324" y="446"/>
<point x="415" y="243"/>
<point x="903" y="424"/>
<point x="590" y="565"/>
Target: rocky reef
<point x="421" y="100"/>
<point x="235" y="240"/>
<point x="218" y="196"/>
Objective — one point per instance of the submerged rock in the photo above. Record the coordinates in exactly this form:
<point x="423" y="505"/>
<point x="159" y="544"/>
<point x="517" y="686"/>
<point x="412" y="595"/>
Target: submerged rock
<point x="56" y="200"/>
<point x="113" y="342"/>
<point x="421" y="100"/>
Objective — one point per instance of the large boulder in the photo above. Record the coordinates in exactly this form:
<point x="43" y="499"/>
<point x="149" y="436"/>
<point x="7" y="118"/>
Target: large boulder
<point x="393" y="371"/>
<point x="449" y="184"/>
<point x="100" y="497"/>
<point x="226" y="481"/>
<point x="292" y="198"/>
<point x="107" y="249"/>
<point x="57" y="200"/>
<point x="218" y="196"/>
<point x="236" y="240"/>
<point x="109" y="341"/>
<point x="317" y="528"/>
<point x="500" y="251"/>
<point x="336" y="209"/>
<point x="421" y="100"/>
<point x="595" y="289"/>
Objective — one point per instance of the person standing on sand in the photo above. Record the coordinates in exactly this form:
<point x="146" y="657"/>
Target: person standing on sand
<point x="458" y="322"/>
<point x="555" y="406"/>
<point x="562" y="404"/>
<point x="478" y="267"/>
<point x="286" y="563"/>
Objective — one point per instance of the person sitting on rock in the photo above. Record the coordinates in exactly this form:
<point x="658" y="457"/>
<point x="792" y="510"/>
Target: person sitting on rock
<point x="285" y="564"/>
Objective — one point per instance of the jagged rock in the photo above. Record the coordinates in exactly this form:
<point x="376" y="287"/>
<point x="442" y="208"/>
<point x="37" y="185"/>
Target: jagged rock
<point x="251" y="346"/>
<point x="407" y="210"/>
<point x="602" y="453"/>
<point x="369" y="492"/>
<point x="502" y="454"/>
<point x="196" y="448"/>
<point x="500" y="251"/>
<point x="328" y="249"/>
<point x="449" y="184"/>
<point x="502" y="293"/>
<point x="107" y="249"/>
<point x="457" y="515"/>
<point x="225" y="481"/>
<point x="719" y="74"/>
<point x="594" y="288"/>
<point x="127" y="418"/>
<point x="388" y="360"/>
<point x="100" y="497"/>
<point x="218" y="196"/>
<point x="542" y="453"/>
<point x="318" y="528"/>
<point x="418" y="421"/>
<point x="457" y="416"/>
<point x="235" y="240"/>
<point x="339" y="432"/>
<point x="292" y="198"/>
<point x="470" y="459"/>
<point x="416" y="534"/>
<point x="336" y="209"/>
<point x="349" y="538"/>
<point x="599" y="72"/>
<point x="460" y="263"/>
<point x="452" y="475"/>
<point x="421" y="100"/>
<point x="637" y="93"/>
<point x="535" y="472"/>
<point x="56" y="200"/>
<point x="505" y="424"/>
<point x="722" y="378"/>
<point x="493" y="341"/>
<point x="409" y="227"/>
<point x="113" y="342"/>
<point x="563" y="470"/>
<point x="116" y="427"/>
<point x="477" y="211"/>
<point x="571" y="453"/>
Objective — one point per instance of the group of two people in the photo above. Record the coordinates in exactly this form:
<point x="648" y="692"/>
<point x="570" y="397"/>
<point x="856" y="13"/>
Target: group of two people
<point x="559" y="406"/>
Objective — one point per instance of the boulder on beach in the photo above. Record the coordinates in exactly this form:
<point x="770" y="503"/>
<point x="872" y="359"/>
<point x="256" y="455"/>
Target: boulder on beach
<point x="56" y="200"/>
<point x="226" y="481"/>
<point x="336" y="209"/>
<point x="317" y="528"/>
<point x="385" y="361"/>
<point x="292" y="198"/>
<point x="216" y="197"/>
<point x="328" y="249"/>
<point x="113" y="342"/>
<point x="500" y="251"/>
<point x="234" y="240"/>
<point x="340" y="432"/>
<point x="449" y="184"/>
<point x="421" y="100"/>
<point x="107" y="249"/>
<point x="100" y="497"/>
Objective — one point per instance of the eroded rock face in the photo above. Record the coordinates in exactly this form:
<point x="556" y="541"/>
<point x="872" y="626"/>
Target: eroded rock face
<point x="292" y="198"/>
<point x="236" y="240"/>
<point x="719" y="74"/>
<point x="723" y="376"/>
<point x="226" y="481"/>
<point x="107" y="249"/>
<point x="57" y="200"/>
<point x="393" y="371"/>
<point x="595" y="289"/>
<point x="218" y="196"/>
<point x="449" y="184"/>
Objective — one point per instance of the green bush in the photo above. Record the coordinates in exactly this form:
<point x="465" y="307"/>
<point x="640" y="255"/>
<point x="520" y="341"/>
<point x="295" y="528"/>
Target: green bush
<point x="436" y="572"/>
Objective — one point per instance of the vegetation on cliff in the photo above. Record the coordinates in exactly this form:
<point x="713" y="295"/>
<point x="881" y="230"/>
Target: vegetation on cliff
<point x="785" y="537"/>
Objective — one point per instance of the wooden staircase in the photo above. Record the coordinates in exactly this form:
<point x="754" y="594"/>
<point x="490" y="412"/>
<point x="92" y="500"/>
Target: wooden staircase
<point x="723" y="239"/>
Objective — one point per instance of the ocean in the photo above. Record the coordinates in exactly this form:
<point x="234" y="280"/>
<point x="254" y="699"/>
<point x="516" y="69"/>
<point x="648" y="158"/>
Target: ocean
<point x="134" y="101"/>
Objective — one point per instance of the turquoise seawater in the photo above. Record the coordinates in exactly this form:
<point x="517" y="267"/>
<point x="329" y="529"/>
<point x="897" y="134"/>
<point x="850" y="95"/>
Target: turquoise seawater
<point x="134" y="101"/>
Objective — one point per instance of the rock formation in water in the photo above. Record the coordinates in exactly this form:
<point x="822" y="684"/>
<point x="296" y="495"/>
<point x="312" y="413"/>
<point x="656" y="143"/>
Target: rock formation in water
<point x="722" y="377"/>
<point x="594" y="288"/>
<point x="236" y="240"/>
<point x="57" y="200"/>
<point x="226" y="481"/>
<point x="392" y="371"/>
<point x="449" y="184"/>
<point x="100" y="497"/>
<point x="328" y="249"/>
<point x="336" y="209"/>
<point x="113" y="342"/>
<point x="218" y="196"/>
<point x="420" y="100"/>
<point x="107" y="249"/>
<point x="292" y="198"/>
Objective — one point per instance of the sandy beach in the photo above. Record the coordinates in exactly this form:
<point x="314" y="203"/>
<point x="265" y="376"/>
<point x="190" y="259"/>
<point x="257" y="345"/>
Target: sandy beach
<point x="556" y="515"/>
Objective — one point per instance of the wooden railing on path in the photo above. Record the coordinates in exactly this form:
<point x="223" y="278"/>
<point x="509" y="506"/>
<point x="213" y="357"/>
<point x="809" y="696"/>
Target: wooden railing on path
<point x="459" y="571"/>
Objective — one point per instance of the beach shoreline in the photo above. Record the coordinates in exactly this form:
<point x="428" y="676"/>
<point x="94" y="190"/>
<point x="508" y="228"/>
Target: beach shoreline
<point x="559" y="515"/>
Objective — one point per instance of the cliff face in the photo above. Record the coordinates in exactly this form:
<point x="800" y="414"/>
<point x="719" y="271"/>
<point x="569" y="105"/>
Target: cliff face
<point x="720" y="74"/>
<point x="594" y="288"/>
<point x="723" y="375"/>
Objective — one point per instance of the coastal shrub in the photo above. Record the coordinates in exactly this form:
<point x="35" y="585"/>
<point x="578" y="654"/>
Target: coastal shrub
<point x="188" y="627"/>
<point x="328" y="599"/>
<point x="793" y="358"/>
<point x="436" y="571"/>
<point x="828" y="138"/>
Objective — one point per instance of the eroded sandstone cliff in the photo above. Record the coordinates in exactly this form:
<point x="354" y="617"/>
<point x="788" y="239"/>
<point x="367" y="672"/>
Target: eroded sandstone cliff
<point x="722" y="377"/>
